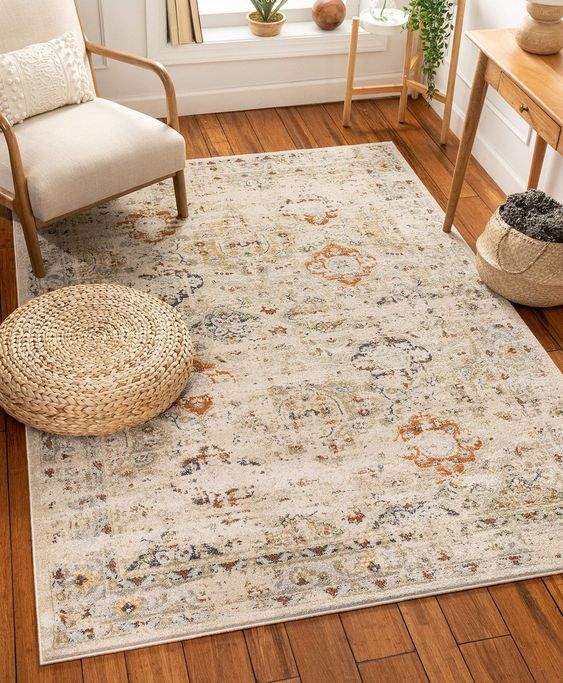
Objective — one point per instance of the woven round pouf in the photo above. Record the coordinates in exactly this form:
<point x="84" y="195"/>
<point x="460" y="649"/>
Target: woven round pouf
<point x="92" y="359"/>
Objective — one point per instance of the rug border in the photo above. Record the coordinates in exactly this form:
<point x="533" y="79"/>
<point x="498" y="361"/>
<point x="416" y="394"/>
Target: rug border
<point x="268" y="622"/>
<point x="265" y="622"/>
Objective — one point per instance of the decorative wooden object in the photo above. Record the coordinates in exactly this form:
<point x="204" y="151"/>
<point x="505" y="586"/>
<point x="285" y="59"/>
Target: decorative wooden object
<point x="531" y="84"/>
<point x="541" y="33"/>
<point x="328" y="14"/>
<point x="410" y="81"/>
<point x="18" y="201"/>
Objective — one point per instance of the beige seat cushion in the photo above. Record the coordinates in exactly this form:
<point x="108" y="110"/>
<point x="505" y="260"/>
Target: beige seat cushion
<point x="81" y="154"/>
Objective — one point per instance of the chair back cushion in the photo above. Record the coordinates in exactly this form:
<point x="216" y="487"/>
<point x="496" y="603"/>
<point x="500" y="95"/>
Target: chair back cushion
<point x="25" y="22"/>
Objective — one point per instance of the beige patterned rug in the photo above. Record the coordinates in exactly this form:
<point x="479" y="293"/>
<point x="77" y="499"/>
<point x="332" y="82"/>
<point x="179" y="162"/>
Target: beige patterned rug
<point x="367" y="422"/>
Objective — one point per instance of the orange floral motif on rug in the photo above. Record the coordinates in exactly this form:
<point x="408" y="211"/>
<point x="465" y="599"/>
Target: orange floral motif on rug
<point x="346" y="265"/>
<point x="437" y="443"/>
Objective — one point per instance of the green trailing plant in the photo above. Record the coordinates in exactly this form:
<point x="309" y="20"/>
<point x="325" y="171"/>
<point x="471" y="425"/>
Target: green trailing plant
<point x="435" y="20"/>
<point x="268" y="9"/>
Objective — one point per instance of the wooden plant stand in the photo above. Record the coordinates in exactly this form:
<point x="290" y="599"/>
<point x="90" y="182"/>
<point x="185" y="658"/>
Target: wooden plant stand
<point x="412" y="63"/>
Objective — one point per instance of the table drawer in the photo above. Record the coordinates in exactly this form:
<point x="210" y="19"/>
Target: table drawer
<point x="542" y="123"/>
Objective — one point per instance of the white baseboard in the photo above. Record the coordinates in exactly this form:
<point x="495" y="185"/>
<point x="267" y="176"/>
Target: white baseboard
<point x="256" y="97"/>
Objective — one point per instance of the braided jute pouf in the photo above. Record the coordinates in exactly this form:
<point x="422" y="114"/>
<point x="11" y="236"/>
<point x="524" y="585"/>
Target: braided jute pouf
<point x="92" y="359"/>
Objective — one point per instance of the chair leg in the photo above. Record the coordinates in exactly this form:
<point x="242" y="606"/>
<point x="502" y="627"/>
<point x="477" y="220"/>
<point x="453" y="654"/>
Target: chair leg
<point x="32" y="242"/>
<point x="180" y="192"/>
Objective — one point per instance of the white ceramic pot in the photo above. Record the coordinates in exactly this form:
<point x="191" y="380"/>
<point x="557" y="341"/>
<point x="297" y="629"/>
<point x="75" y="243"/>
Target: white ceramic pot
<point x="394" y="24"/>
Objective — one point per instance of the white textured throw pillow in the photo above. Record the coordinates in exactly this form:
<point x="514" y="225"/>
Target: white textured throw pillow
<point x="43" y="77"/>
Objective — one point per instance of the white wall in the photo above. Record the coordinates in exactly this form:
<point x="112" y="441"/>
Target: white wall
<point x="504" y="143"/>
<point x="222" y="86"/>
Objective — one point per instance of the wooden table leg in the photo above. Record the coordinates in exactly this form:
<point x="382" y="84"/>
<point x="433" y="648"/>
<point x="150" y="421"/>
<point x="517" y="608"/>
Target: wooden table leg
<point x="452" y="75"/>
<point x="537" y="163"/>
<point x="351" y="70"/>
<point x="472" y="116"/>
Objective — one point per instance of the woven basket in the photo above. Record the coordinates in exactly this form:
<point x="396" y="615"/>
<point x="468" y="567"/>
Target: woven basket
<point x="519" y="268"/>
<point x="92" y="359"/>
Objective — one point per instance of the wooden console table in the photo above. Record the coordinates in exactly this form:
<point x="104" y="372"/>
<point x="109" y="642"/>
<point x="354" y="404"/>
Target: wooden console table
<point x="531" y="84"/>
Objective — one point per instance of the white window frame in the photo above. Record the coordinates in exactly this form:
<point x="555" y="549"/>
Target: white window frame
<point x="236" y="43"/>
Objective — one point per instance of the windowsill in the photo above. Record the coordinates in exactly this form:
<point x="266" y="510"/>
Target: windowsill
<point x="298" y="39"/>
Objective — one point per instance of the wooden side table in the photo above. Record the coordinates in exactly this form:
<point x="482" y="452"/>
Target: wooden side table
<point x="531" y="84"/>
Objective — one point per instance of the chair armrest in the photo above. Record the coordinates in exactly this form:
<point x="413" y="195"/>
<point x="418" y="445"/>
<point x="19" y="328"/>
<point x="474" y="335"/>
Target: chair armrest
<point x="150" y="65"/>
<point x="16" y="164"/>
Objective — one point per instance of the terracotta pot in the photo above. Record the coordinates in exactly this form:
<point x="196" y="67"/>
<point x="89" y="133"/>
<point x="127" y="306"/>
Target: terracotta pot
<point x="265" y="29"/>
<point x="329" y="14"/>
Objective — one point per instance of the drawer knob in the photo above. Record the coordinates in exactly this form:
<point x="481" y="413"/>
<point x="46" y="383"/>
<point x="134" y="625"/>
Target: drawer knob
<point x="523" y="108"/>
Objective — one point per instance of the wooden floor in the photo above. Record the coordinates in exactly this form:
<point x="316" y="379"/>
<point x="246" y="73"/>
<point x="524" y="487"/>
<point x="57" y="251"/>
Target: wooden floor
<point x="509" y="633"/>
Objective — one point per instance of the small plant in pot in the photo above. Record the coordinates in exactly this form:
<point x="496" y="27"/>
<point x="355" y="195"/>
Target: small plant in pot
<point x="267" y="20"/>
<point x="520" y="253"/>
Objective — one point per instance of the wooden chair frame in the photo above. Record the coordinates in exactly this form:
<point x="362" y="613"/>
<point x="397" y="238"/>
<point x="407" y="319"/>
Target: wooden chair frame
<point x="18" y="201"/>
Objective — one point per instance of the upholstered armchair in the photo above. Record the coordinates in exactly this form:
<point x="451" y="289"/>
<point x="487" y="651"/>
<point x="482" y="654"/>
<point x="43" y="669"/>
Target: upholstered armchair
<point x="61" y="162"/>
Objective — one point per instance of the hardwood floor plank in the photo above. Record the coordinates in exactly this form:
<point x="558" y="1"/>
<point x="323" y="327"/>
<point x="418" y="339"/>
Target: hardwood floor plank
<point x="359" y="130"/>
<point x="105" y="668"/>
<point x="476" y="176"/>
<point x="214" y="135"/>
<point x="434" y="642"/>
<point x="537" y="324"/>
<point x="239" y="132"/>
<point x="270" y="130"/>
<point x="7" y="642"/>
<point x="270" y="653"/>
<point x="27" y="647"/>
<point x="554" y="321"/>
<point x="9" y="301"/>
<point x="405" y="668"/>
<point x="422" y="146"/>
<point x="321" y="126"/>
<point x="554" y="584"/>
<point x="158" y="664"/>
<point x="496" y="660"/>
<point x="196" y="147"/>
<point x="6" y="241"/>
<point x="218" y="659"/>
<point x="322" y="651"/>
<point x="296" y="128"/>
<point x="535" y="624"/>
<point x="376" y="632"/>
<point x="557" y="358"/>
<point x="472" y="615"/>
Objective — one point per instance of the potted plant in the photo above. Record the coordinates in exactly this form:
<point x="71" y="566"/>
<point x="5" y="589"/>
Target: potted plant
<point x="520" y="252"/>
<point x="267" y="20"/>
<point x="434" y="19"/>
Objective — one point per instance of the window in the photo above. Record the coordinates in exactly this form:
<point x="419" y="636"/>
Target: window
<point x="226" y="36"/>
<point x="223" y="13"/>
